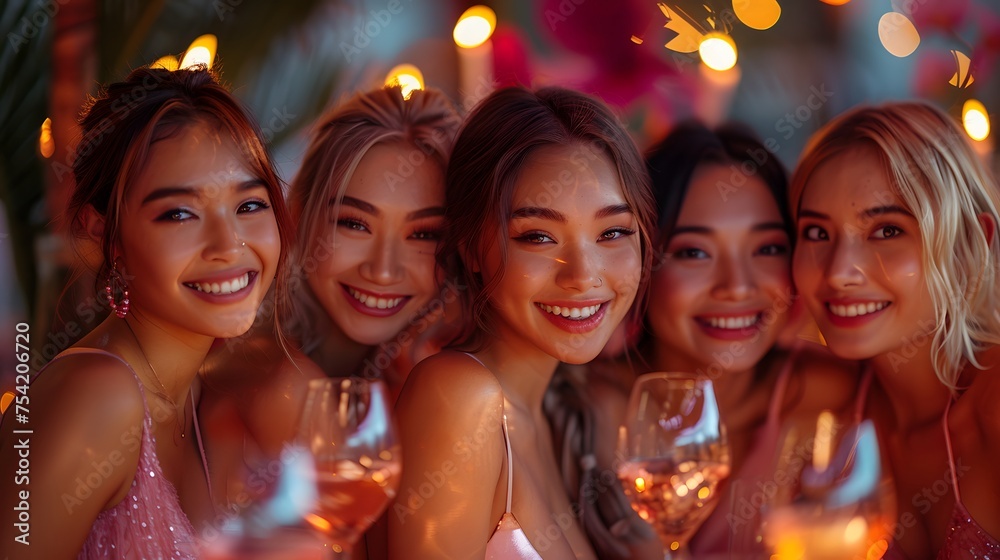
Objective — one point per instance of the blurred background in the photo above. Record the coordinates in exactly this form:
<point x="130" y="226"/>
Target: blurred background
<point x="785" y="67"/>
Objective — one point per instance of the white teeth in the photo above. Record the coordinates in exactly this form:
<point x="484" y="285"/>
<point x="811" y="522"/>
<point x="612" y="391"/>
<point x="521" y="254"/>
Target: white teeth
<point x="226" y="287"/>
<point x="374" y="302"/>
<point x="570" y="312"/>
<point x="857" y="309"/>
<point x="733" y="322"/>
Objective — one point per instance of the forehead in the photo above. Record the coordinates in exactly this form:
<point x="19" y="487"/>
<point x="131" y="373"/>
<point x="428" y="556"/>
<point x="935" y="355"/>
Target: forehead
<point x="849" y="182"/>
<point x="397" y="174"/>
<point x="563" y="177"/>
<point x="194" y="155"/>
<point x="722" y="195"/>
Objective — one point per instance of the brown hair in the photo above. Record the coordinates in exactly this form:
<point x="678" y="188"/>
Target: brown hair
<point x="498" y="137"/>
<point x="127" y="118"/>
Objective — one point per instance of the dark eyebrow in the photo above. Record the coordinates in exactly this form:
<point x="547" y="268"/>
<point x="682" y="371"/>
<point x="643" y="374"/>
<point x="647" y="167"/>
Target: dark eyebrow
<point x="550" y="214"/>
<point x="369" y="208"/>
<point x="428" y="212"/>
<point x="613" y="210"/>
<point x="882" y="210"/>
<point x="813" y="214"/>
<point x="536" y="212"/>
<point x="167" y="192"/>
<point x="704" y="230"/>
<point x="359" y="204"/>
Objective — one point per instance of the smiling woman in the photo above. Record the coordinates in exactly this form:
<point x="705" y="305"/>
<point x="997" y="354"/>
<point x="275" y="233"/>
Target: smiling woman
<point x="898" y="262"/>
<point x="178" y="192"/>
<point x="549" y="213"/>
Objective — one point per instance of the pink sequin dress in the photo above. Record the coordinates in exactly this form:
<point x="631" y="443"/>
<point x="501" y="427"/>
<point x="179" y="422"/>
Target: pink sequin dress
<point x="148" y="524"/>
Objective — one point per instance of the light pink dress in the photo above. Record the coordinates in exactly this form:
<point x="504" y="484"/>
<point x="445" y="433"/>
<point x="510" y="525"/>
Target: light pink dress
<point x="148" y="524"/>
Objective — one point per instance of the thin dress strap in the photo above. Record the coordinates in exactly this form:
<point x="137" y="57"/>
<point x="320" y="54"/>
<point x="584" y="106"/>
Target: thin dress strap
<point x="506" y="441"/>
<point x="951" y="454"/>
<point x="145" y="406"/>
<point x="510" y="464"/>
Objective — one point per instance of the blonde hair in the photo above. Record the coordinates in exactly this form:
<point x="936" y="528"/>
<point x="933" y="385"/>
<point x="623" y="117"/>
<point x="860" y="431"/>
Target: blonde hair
<point x="427" y="121"/>
<point x="942" y="182"/>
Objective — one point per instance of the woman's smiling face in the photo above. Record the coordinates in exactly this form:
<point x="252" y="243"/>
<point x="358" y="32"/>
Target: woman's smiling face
<point x="376" y="268"/>
<point x="722" y="290"/>
<point x="573" y="256"/>
<point x="198" y="240"/>
<point x="858" y="262"/>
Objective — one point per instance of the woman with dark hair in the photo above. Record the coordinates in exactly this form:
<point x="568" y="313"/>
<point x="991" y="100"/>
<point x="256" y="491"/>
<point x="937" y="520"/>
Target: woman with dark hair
<point x="177" y="195"/>
<point x="719" y="297"/>
<point x="548" y="212"/>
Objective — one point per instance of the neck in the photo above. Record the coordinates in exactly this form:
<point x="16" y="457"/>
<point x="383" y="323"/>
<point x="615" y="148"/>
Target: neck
<point x="523" y="370"/>
<point x="339" y="356"/>
<point x="915" y="394"/>
<point x="171" y="357"/>
<point x="731" y="386"/>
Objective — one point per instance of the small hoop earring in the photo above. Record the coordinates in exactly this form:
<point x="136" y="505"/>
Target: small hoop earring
<point x="243" y="244"/>
<point x="116" y="286"/>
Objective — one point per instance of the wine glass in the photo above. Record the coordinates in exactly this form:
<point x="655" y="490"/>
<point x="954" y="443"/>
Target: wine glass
<point x="833" y="497"/>
<point x="348" y="428"/>
<point x="673" y="454"/>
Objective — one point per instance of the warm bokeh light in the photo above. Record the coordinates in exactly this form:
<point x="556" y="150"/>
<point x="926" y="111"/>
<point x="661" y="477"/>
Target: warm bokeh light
<point x="6" y="398"/>
<point x="718" y="51"/>
<point x="976" y="120"/>
<point x="407" y="76"/>
<point x="963" y="75"/>
<point x="46" y="145"/>
<point x="823" y="443"/>
<point x="835" y="2"/>
<point x="201" y="51"/>
<point x="898" y="34"/>
<point x="475" y="27"/>
<point x="856" y="529"/>
<point x="166" y="62"/>
<point x="688" y="37"/>
<point x="757" y="14"/>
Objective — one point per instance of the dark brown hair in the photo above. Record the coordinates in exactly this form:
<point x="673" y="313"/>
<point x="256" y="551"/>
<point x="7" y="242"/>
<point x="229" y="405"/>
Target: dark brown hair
<point x="499" y="135"/>
<point x="126" y="118"/>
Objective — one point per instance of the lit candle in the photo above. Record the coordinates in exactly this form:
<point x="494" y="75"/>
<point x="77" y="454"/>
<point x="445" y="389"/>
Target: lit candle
<point x="475" y="53"/>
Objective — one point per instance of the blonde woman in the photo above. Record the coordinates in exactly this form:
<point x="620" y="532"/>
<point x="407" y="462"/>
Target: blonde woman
<point x="897" y="259"/>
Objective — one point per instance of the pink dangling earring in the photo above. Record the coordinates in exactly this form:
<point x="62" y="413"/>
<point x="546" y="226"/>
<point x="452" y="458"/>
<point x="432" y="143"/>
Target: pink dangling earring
<point x="116" y="285"/>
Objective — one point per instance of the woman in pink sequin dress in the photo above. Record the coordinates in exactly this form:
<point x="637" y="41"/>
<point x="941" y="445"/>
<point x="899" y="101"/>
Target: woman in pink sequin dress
<point x="898" y="261"/>
<point x="179" y="209"/>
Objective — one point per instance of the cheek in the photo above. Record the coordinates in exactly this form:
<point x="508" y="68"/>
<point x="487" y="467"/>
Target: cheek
<point x="624" y="270"/>
<point x="807" y="269"/>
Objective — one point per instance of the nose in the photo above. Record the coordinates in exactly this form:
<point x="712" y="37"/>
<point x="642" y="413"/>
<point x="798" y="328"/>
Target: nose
<point x="381" y="264"/>
<point x="224" y="241"/>
<point x="734" y="279"/>
<point x="844" y="268"/>
<point x="579" y="269"/>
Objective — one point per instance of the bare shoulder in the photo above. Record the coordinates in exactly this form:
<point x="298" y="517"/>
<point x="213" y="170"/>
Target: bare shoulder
<point x="451" y="381"/>
<point x="822" y="380"/>
<point x="88" y="387"/>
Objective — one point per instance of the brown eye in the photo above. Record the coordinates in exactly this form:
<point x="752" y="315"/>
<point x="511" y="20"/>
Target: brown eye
<point x="887" y="232"/>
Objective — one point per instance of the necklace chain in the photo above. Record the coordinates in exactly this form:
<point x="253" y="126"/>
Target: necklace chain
<point x="164" y="394"/>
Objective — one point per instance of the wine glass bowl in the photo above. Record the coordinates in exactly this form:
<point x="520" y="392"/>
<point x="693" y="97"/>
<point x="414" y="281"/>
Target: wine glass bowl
<point x="673" y="454"/>
<point x="834" y="498"/>
<point x="347" y="427"/>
